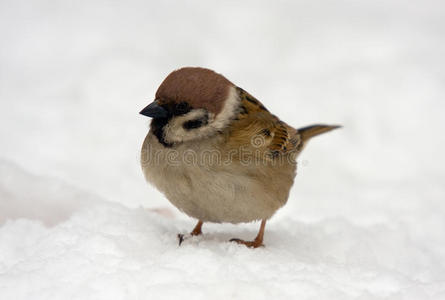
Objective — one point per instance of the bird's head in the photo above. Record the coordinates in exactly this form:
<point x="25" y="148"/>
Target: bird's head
<point x="192" y="104"/>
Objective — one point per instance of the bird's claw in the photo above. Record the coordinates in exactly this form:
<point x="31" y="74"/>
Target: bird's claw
<point x="181" y="238"/>
<point x="250" y="244"/>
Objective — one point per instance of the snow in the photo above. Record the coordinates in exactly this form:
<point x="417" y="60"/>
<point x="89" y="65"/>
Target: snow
<point x="105" y="250"/>
<point x="366" y="217"/>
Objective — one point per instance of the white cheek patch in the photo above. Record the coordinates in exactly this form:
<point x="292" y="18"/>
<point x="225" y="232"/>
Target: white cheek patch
<point x="229" y="110"/>
<point x="174" y="131"/>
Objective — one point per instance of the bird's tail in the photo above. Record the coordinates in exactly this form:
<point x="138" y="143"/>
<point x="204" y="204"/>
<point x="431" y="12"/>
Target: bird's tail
<point x="310" y="131"/>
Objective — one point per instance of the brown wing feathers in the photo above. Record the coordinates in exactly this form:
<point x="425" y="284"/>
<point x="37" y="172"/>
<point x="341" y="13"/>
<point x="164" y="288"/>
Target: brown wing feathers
<point x="275" y="132"/>
<point x="280" y="138"/>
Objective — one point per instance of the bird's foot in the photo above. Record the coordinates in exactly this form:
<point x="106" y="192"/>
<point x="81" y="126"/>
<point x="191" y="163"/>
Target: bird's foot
<point x="195" y="231"/>
<point x="182" y="237"/>
<point x="251" y="244"/>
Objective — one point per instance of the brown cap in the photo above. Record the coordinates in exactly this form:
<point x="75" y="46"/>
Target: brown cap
<point x="199" y="87"/>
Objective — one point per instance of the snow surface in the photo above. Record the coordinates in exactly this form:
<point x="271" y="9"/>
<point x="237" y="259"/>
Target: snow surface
<point x="366" y="217"/>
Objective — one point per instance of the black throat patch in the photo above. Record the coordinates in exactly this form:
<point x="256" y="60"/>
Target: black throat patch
<point x="157" y="125"/>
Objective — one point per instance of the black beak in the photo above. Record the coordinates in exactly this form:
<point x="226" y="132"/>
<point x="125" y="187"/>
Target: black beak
<point x="153" y="110"/>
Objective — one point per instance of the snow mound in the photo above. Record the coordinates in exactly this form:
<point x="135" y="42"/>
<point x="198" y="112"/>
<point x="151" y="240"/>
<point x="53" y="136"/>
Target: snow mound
<point x="366" y="216"/>
<point x="35" y="197"/>
<point x="104" y="250"/>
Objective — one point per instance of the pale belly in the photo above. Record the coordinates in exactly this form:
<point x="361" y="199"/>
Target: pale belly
<point x="210" y="192"/>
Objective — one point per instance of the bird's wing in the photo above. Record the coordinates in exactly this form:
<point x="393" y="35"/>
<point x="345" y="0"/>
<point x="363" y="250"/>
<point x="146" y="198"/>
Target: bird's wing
<point x="256" y="129"/>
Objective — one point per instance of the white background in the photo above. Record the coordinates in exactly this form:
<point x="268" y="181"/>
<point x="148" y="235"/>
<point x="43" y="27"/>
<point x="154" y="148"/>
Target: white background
<point x="366" y="216"/>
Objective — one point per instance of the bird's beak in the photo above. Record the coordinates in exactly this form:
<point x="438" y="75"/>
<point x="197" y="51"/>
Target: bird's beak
<point x="153" y="110"/>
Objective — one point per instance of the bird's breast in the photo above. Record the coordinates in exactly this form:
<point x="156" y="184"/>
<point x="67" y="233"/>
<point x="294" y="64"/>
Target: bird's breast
<point x="201" y="181"/>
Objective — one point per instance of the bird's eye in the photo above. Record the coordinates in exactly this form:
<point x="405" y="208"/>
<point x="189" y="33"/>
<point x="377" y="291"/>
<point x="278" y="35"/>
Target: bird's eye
<point x="192" y="124"/>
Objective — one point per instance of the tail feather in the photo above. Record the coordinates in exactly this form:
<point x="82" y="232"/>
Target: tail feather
<point x="313" y="130"/>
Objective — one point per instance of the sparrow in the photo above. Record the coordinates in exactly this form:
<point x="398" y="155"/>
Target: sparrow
<point x="217" y="153"/>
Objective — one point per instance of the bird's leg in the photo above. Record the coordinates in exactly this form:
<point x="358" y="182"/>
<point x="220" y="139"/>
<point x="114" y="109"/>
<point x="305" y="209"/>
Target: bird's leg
<point x="257" y="242"/>
<point x="195" y="231"/>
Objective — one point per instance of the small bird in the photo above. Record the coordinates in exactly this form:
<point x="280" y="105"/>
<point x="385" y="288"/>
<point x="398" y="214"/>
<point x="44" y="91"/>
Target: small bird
<point x="217" y="153"/>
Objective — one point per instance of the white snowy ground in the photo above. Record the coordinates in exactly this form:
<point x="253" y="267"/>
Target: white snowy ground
<point x="366" y="217"/>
